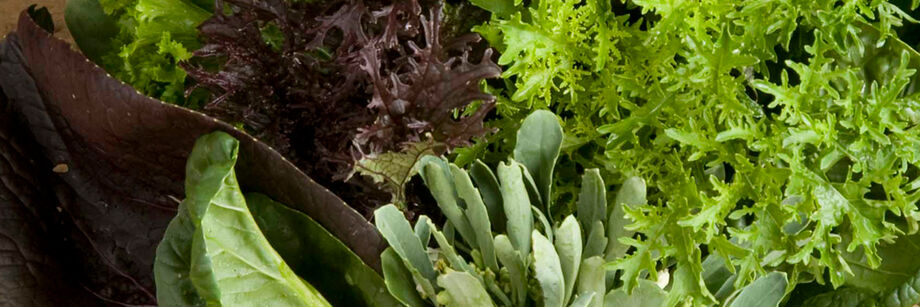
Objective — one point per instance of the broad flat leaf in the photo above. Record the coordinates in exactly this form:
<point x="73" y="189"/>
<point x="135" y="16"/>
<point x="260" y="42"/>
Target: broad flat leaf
<point x="517" y="206"/>
<point x="718" y="279"/>
<point x="37" y="265"/>
<point x="592" y="200"/>
<point x="478" y="216"/>
<point x="232" y="263"/>
<point x="646" y="294"/>
<point x="487" y="184"/>
<point x="592" y="279"/>
<point x="464" y="290"/>
<point x="898" y="264"/>
<point x="395" y="228"/>
<point x="91" y="28"/>
<point x="843" y="297"/>
<point x="631" y="193"/>
<point x="514" y="262"/>
<point x="903" y="295"/>
<point x="398" y="279"/>
<point x="569" y="246"/>
<point x="94" y="223"/>
<point x="766" y="291"/>
<point x="548" y="271"/>
<point x="329" y="265"/>
<point x="537" y="148"/>
<point x="174" y="264"/>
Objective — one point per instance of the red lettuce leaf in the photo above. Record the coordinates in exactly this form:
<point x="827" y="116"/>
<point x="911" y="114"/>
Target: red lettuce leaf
<point x="349" y="79"/>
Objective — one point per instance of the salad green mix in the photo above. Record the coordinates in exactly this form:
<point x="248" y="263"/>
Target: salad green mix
<point x="568" y="152"/>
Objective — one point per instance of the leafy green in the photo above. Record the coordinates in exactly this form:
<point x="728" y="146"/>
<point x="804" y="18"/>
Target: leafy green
<point x="342" y="277"/>
<point x="141" y="42"/>
<point x="463" y="290"/>
<point x="214" y="252"/>
<point x="548" y="271"/>
<point x="540" y="156"/>
<point x="765" y="132"/>
<point x="540" y="265"/>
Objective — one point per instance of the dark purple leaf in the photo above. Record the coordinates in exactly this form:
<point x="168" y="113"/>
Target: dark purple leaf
<point x="349" y="80"/>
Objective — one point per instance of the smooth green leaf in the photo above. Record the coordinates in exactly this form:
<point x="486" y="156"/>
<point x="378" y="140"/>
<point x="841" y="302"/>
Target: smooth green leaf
<point x="766" y="291"/>
<point x="342" y="277"/>
<point x="592" y="200"/>
<point x="232" y="263"/>
<point x="646" y="294"/>
<point x="478" y="216"/>
<point x="173" y="263"/>
<point x="592" y="280"/>
<point x="491" y="194"/>
<point x="596" y="242"/>
<point x="395" y="229"/>
<point x="512" y="260"/>
<point x="568" y="245"/>
<point x="583" y="300"/>
<point x="440" y="182"/>
<point x="537" y="148"/>
<point x="548" y="271"/>
<point x="463" y="290"/>
<point x="422" y="230"/>
<point x="91" y="28"/>
<point x="447" y="250"/>
<point x="631" y="193"/>
<point x="498" y="7"/>
<point x="398" y="279"/>
<point x="516" y="206"/>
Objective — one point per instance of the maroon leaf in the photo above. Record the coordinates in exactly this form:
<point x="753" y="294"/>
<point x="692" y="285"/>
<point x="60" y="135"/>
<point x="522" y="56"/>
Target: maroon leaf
<point x="348" y="80"/>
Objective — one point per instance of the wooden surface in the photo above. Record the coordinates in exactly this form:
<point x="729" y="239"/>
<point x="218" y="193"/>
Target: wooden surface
<point x="10" y="9"/>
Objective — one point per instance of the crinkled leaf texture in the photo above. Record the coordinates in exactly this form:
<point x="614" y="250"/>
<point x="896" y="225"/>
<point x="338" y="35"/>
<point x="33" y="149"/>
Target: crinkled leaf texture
<point x="337" y="81"/>
<point x="226" y="258"/>
<point x="91" y="170"/>
<point x="141" y="42"/>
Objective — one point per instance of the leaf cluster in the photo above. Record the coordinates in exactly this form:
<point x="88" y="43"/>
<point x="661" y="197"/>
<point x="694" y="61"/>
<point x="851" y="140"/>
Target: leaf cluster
<point x="331" y="82"/>
<point x="778" y="135"/>
<point x="501" y="247"/>
<point x="142" y="42"/>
